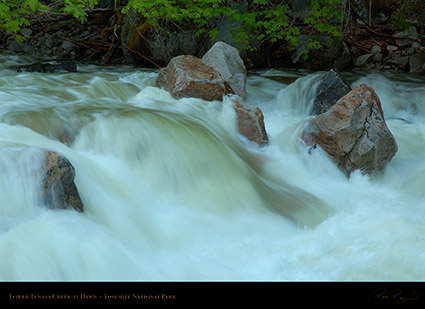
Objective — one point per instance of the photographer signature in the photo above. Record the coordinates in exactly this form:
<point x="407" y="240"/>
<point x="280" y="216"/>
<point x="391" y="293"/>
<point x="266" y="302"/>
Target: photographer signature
<point x="394" y="296"/>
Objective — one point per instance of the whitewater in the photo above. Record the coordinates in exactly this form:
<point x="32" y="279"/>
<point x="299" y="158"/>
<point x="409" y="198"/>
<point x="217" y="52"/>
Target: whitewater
<point x="173" y="192"/>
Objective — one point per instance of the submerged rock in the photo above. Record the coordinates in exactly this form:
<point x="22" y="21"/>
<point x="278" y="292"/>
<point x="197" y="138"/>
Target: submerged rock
<point x="227" y="61"/>
<point x="49" y="67"/>
<point x="189" y="76"/>
<point x="353" y="132"/>
<point x="331" y="88"/>
<point x="59" y="190"/>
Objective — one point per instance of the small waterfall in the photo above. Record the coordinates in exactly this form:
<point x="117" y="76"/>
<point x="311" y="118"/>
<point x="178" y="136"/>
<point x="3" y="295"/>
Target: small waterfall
<point x="172" y="191"/>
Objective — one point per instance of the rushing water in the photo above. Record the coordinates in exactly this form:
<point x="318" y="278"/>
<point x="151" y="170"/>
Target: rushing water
<point x="172" y="191"/>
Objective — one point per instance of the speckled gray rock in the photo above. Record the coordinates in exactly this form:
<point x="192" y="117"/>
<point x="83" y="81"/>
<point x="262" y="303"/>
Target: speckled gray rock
<point x="227" y="61"/>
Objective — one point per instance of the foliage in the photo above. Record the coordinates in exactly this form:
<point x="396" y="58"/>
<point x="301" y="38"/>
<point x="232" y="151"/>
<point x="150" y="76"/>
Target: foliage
<point x="407" y="10"/>
<point x="11" y="13"/>
<point x="14" y="13"/>
<point x="262" y="20"/>
<point x="401" y="13"/>
<point x="77" y="8"/>
<point x="324" y="11"/>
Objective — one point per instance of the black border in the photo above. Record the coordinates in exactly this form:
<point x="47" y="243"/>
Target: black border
<point x="211" y="293"/>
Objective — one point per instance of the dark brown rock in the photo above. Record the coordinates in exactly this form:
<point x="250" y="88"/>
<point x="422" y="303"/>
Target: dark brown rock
<point x="251" y="123"/>
<point x="189" y="76"/>
<point x="353" y="132"/>
<point x="58" y="184"/>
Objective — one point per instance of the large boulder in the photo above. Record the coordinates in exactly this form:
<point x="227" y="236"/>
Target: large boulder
<point x="59" y="190"/>
<point x="227" y="61"/>
<point x="331" y="88"/>
<point x="251" y="122"/>
<point x="189" y="76"/>
<point x="353" y="132"/>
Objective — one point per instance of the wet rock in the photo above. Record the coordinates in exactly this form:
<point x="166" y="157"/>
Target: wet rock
<point x="26" y="32"/>
<point x="16" y="47"/>
<point x="189" y="76"/>
<point x="392" y="48"/>
<point x="332" y="87"/>
<point x="227" y="61"/>
<point x="353" y="132"/>
<point x="377" y="58"/>
<point x="417" y="63"/>
<point x="251" y="122"/>
<point x="416" y="47"/>
<point x="363" y="59"/>
<point x="404" y="42"/>
<point x="376" y="49"/>
<point x="67" y="45"/>
<point x="410" y="33"/>
<point x="399" y="60"/>
<point x="61" y="66"/>
<point x="59" y="190"/>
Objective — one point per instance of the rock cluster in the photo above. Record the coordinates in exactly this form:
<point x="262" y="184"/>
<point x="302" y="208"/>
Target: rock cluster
<point x="189" y="76"/>
<point x="353" y="132"/>
<point x="57" y="36"/>
<point x="404" y="53"/>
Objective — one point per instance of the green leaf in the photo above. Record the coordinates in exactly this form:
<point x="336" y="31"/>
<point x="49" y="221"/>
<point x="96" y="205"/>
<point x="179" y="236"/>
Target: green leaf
<point x="77" y="10"/>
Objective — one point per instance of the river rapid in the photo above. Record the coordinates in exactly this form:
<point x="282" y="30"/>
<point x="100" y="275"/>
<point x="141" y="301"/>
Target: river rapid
<point x="173" y="192"/>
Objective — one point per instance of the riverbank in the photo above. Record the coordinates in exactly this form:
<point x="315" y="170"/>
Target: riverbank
<point x="112" y="38"/>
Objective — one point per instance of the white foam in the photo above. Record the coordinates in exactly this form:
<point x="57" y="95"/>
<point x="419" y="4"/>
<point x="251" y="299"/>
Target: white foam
<point x="172" y="191"/>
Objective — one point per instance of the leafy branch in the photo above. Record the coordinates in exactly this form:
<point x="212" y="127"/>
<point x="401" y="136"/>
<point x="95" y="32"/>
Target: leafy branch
<point x="14" y="13"/>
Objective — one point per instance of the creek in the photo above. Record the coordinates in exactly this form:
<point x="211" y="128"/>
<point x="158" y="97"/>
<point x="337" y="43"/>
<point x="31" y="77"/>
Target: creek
<point x="173" y="192"/>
